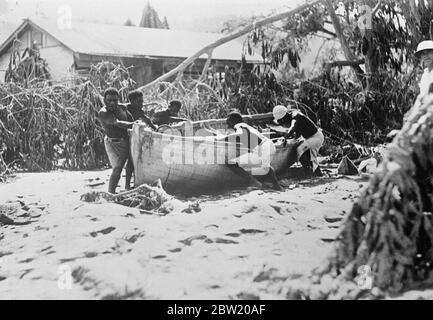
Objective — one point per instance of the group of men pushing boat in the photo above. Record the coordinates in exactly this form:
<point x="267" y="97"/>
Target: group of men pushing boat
<point x="255" y="163"/>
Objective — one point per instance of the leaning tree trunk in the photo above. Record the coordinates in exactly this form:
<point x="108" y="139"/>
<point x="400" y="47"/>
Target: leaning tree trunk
<point x="3" y="166"/>
<point x="390" y="229"/>
<point x="350" y="56"/>
<point x="210" y="47"/>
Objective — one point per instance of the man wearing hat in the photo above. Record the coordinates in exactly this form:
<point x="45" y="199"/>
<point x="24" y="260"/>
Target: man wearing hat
<point x="424" y="52"/>
<point x="299" y="125"/>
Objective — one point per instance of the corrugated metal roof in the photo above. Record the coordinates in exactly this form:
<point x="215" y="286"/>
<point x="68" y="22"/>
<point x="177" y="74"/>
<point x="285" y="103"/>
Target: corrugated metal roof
<point x="113" y="40"/>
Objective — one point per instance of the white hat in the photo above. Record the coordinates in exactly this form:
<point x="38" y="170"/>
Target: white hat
<point x="423" y="46"/>
<point x="279" y="112"/>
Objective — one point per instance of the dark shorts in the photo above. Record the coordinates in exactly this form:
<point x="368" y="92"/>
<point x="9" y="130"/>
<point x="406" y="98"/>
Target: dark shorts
<point x="117" y="150"/>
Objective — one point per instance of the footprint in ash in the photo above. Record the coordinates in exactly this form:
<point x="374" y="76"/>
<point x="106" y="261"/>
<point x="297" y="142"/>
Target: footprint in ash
<point x="103" y="231"/>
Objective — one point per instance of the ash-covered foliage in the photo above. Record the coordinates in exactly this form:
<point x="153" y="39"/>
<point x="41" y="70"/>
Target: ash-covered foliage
<point x="44" y="126"/>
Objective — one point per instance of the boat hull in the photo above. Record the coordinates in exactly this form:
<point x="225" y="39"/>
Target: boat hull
<point x="192" y="164"/>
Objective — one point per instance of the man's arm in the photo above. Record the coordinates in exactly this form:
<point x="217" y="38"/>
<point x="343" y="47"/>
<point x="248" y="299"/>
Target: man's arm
<point x="149" y="122"/>
<point x="110" y="119"/>
<point x="291" y="130"/>
<point x="209" y="129"/>
<point x="123" y="124"/>
<point x="177" y="119"/>
<point x="280" y="132"/>
<point x="231" y="136"/>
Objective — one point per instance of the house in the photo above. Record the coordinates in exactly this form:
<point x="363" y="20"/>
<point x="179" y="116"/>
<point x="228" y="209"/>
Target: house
<point x="148" y="52"/>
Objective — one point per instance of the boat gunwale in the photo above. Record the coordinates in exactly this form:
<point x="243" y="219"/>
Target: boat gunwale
<point x="203" y="140"/>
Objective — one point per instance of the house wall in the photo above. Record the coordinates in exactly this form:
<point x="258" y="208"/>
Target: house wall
<point x="60" y="59"/>
<point x="141" y="70"/>
<point x="4" y="62"/>
<point x="62" y="63"/>
<point x="145" y="70"/>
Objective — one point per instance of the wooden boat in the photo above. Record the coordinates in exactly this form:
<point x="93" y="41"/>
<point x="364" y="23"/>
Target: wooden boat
<point x="187" y="163"/>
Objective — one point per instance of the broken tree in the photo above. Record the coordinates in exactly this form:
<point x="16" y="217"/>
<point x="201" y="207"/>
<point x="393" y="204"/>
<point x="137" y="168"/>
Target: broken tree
<point x="27" y="66"/>
<point x="209" y="48"/>
<point x="389" y="231"/>
<point x="149" y="199"/>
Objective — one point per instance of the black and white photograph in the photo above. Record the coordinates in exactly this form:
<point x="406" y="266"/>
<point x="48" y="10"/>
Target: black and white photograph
<point x="216" y="150"/>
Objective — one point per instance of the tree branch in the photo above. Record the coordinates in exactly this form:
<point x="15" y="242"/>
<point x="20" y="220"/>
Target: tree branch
<point x="344" y="63"/>
<point x="376" y="8"/>
<point x="339" y="31"/>
<point x="344" y="45"/>
<point x="206" y="66"/>
<point x="328" y="32"/>
<point x="230" y="37"/>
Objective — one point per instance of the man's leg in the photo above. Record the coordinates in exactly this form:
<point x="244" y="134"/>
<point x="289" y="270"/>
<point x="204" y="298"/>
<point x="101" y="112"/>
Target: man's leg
<point x="116" y="174"/>
<point x="315" y="144"/>
<point x="264" y="156"/>
<point x="303" y="153"/>
<point x="114" y="179"/>
<point x="236" y="169"/>
<point x="306" y="163"/>
<point x="118" y="153"/>
<point x="129" y="171"/>
<point x="273" y="178"/>
<point x="318" y="172"/>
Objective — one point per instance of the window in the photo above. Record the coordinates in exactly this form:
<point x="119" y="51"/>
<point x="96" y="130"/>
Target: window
<point x="37" y="38"/>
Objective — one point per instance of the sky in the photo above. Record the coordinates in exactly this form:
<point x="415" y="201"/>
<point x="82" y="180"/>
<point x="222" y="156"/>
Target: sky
<point x="178" y="12"/>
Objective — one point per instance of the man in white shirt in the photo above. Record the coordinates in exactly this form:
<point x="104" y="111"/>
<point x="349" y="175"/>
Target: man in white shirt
<point x="424" y="52"/>
<point x="256" y="161"/>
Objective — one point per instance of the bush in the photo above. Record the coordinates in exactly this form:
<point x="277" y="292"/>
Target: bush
<point x="47" y="126"/>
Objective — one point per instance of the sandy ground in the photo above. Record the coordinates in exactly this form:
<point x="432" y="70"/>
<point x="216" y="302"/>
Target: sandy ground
<point x="241" y="245"/>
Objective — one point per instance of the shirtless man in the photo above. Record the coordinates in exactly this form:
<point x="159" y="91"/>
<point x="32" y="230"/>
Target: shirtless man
<point x="116" y="120"/>
<point x="135" y="108"/>
<point x="169" y="115"/>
